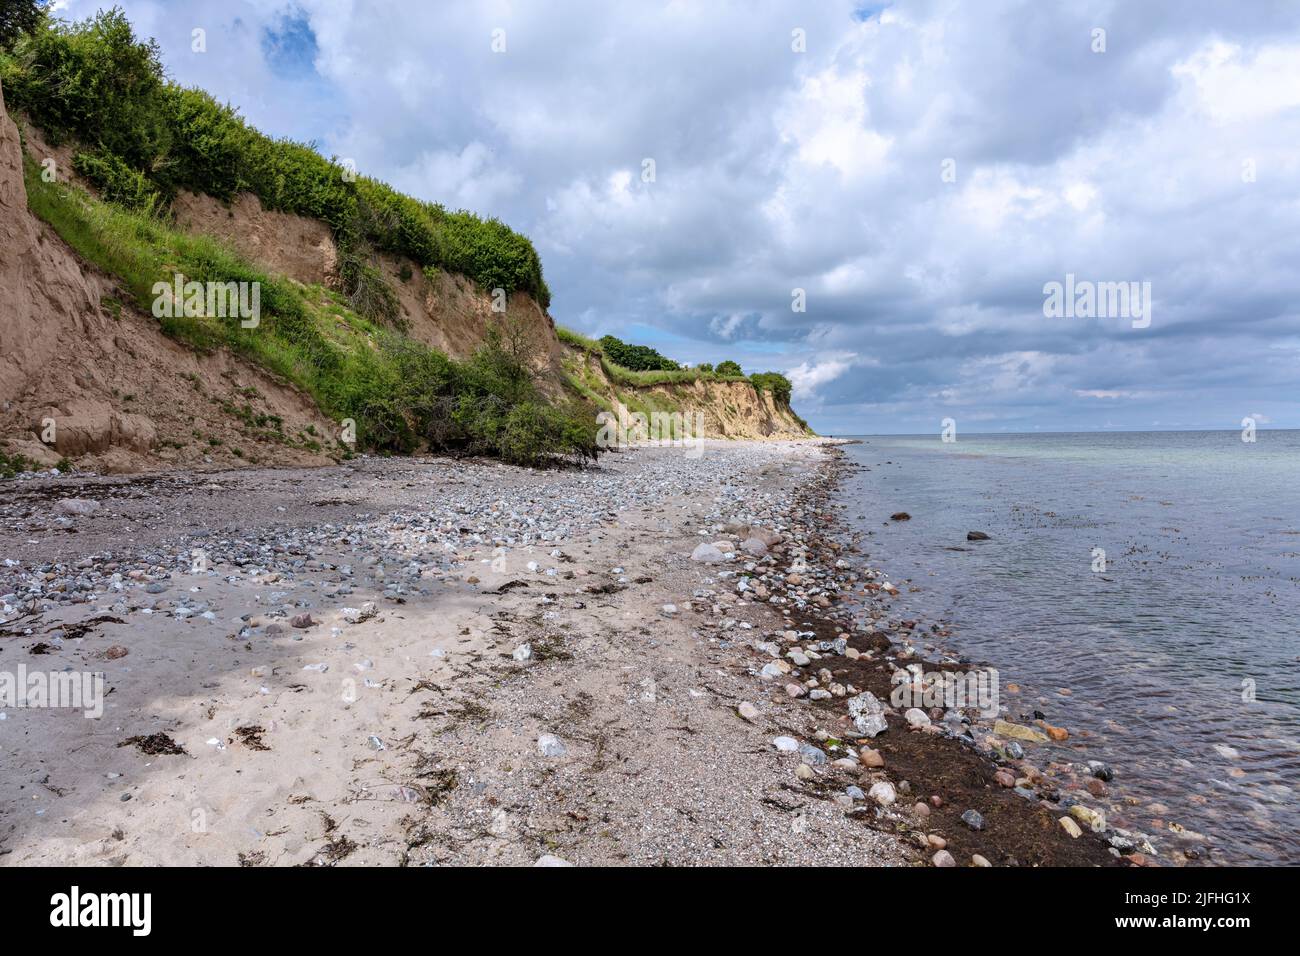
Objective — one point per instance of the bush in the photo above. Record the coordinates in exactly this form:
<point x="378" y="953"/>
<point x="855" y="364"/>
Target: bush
<point x="366" y="289"/>
<point x="728" y="368"/>
<point x="208" y="144"/>
<point x="773" y="382"/>
<point x="118" y="182"/>
<point x="11" y="465"/>
<point x="533" y="434"/>
<point x="501" y="412"/>
<point x="93" y="81"/>
<point x="16" y="18"/>
<point x="638" y="358"/>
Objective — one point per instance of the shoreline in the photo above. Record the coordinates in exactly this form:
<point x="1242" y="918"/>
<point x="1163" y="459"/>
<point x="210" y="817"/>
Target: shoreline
<point x="932" y="757"/>
<point x="461" y="616"/>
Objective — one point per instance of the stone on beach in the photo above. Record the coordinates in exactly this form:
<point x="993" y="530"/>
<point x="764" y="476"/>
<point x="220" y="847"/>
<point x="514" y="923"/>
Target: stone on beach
<point x="883" y="793"/>
<point x="549" y="745"/>
<point x="917" y="718"/>
<point x="708" y="554"/>
<point x="355" y="615"/>
<point x="1095" y="820"/>
<point x="1056" y="733"/>
<point x="871" y="758"/>
<point x="812" y="755"/>
<point x="868" y="714"/>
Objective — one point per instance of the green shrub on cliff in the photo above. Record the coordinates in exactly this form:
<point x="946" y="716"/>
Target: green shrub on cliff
<point x="16" y="18"/>
<point x="773" y="382"/>
<point x="95" y="83"/>
<point x="117" y="182"/>
<point x="638" y="358"/>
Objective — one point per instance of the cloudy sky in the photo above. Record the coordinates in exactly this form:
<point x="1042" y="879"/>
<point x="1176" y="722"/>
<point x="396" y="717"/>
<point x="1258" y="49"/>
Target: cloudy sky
<point x="920" y="169"/>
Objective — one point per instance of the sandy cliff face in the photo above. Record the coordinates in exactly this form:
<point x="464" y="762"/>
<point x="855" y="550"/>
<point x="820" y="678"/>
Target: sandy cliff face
<point x="443" y="310"/>
<point x="44" y="295"/>
<point x="299" y="248"/>
<point x="84" y="377"/>
<point x="729" y="409"/>
<point x="446" y="311"/>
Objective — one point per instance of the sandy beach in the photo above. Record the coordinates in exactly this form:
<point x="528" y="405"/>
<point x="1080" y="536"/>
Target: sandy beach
<point x="406" y="662"/>
<point x="400" y="727"/>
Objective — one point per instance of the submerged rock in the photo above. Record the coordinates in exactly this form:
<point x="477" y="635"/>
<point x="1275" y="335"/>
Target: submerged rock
<point x="1004" y="728"/>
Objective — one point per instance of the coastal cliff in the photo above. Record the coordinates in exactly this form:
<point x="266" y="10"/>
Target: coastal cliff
<point x="376" y="322"/>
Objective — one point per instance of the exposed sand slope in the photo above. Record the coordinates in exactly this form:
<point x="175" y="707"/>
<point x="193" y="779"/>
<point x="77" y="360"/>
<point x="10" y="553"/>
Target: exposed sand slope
<point x="729" y="409"/>
<point x="122" y="396"/>
<point x="442" y="310"/>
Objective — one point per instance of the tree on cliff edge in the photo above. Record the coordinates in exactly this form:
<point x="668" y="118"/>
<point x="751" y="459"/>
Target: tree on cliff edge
<point x="16" y="18"/>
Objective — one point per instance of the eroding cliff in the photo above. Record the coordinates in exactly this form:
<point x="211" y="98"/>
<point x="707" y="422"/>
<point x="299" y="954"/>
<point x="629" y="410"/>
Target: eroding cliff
<point x="84" y="377"/>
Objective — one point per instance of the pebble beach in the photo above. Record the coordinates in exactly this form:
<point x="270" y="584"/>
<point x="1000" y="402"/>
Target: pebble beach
<point x="671" y="658"/>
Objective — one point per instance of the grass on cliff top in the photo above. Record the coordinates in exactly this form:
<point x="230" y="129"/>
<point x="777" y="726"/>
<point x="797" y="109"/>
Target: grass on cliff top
<point x="401" y="394"/>
<point x="633" y="378"/>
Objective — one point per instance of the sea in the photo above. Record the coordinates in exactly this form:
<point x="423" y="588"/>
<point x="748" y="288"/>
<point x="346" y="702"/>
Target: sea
<point x="1141" y="588"/>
